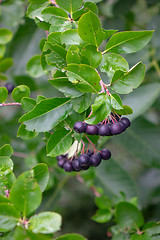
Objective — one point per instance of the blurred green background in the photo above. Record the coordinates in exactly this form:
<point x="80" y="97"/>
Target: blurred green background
<point x="135" y="165"/>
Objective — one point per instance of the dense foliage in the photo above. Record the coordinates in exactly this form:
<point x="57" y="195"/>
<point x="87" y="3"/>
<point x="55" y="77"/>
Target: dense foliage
<point x="55" y="135"/>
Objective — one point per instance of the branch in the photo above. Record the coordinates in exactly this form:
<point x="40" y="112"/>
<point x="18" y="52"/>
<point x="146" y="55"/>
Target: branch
<point x="10" y="104"/>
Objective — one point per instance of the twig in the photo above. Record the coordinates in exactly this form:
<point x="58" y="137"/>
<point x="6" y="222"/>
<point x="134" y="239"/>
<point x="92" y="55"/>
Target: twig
<point x="10" y="104"/>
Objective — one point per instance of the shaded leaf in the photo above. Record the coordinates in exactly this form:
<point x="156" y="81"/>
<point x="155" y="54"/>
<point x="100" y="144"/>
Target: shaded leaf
<point x="70" y="5"/>
<point x="6" y="36"/>
<point x="82" y="103"/>
<point x="24" y="133"/>
<point x="71" y="236"/>
<point x="3" y="94"/>
<point x="34" y="67"/>
<point x="6" y="150"/>
<point x="91" y="53"/>
<point x="102" y="216"/>
<point x="5" y="64"/>
<point x="73" y="55"/>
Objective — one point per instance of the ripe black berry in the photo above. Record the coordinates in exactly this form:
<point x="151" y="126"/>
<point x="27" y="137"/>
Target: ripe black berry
<point x="79" y="127"/>
<point x="126" y="121"/>
<point x="105" y="154"/>
<point x="104" y="130"/>
<point x="68" y="166"/>
<point x="83" y="159"/>
<point x="123" y="125"/>
<point x="116" y="128"/>
<point x="60" y="157"/>
<point x="91" y="129"/>
<point x="76" y="165"/>
<point x="9" y="87"/>
<point x="89" y="153"/>
<point x="95" y="160"/>
<point x="61" y="162"/>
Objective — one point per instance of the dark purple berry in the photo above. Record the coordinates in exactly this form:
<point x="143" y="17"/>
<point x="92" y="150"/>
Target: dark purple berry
<point x="116" y="128"/>
<point x="95" y="160"/>
<point x="84" y="159"/>
<point x="105" y="154"/>
<point x="89" y="153"/>
<point x="68" y="166"/>
<point x="104" y="130"/>
<point x="9" y="87"/>
<point x="123" y="125"/>
<point x="61" y="162"/>
<point x="60" y="157"/>
<point x="76" y="165"/>
<point x="126" y="121"/>
<point x="91" y="129"/>
<point x="85" y="167"/>
<point x="79" y="127"/>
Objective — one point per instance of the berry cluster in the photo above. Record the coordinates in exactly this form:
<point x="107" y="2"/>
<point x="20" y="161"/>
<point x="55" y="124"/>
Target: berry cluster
<point x="83" y="161"/>
<point x="108" y="127"/>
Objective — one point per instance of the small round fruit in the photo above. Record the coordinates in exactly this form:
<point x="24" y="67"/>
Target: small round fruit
<point x="61" y="162"/>
<point x="60" y="157"/>
<point x="104" y="130"/>
<point x="76" y="165"/>
<point x="89" y="153"/>
<point x="85" y="167"/>
<point x="84" y="160"/>
<point x="95" y="160"/>
<point x="126" y="121"/>
<point x="105" y="154"/>
<point x="79" y="127"/>
<point x="116" y="128"/>
<point x="91" y="130"/>
<point x="68" y="166"/>
<point x="123" y="125"/>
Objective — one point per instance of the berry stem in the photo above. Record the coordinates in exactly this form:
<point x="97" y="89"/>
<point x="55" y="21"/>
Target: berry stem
<point x="90" y="114"/>
<point x="83" y="146"/>
<point x="10" y="104"/>
<point x="91" y="144"/>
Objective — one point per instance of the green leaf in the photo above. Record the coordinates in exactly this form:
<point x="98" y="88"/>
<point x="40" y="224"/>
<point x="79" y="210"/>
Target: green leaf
<point x="6" y="150"/>
<point x="4" y="199"/>
<point x="22" y="233"/>
<point x="50" y="14"/>
<point x="7" y="178"/>
<point x="3" y="77"/>
<point x="71" y="37"/>
<point x="112" y="62"/>
<point x="116" y="101"/>
<point x="91" y="53"/>
<point x="155" y="230"/>
<point x="128" y="215"/>
<point x="125" y="111"/>
<point x="61" y="82"/>
<point x="128" y="42"/>
<point x="46" y="114"/>
<point x="45" y="222"/>
<point x="113" y="179"/>
<point x="73" y="55"/>
<point x="5" y="163"/>
<point x="57" y="57"/>
<point x="103" y="202"/>
<point x="89" y="29"/>
<point x="85" y="77"/>
<point x="59" y="142"/>
<point x="144" y="236"/>
<point x="41" y="174"/>
<point x="87" y="6"/>
<point x="6" y="36"/>
<point x="24" y="133"/>
<point x="38" y="1"/>
<point x="70" y="5"/>
<point x="28" y="104"/>
<point x="82" y="103"/>
<point x="54" y="38"/>
<point x="120" y="236"/>
<point x="34" y="9"/>
<point x="20" y="92"/>
<point x="26" y="194"/>
<point x="100" y="109"/>
<point x="71" y="236"/>
<point x="2" y="50"/>
<point x="9" y="217"/>
<point x="5" y="64"/>
<point x="60" y="25"/>
<point x="3" y="94"/>
<point x="102" y="216"/>
<point x="130" y="80"/>
<point x="34" y="67"/>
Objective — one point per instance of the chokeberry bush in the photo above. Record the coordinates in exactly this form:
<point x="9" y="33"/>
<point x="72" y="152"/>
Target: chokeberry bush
<point x="75" y="123"/>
